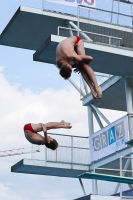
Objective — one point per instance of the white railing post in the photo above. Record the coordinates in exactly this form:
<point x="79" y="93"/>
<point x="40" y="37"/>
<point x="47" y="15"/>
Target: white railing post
<point x="78" y="12"/>
<point x="72" y="152"/>
<point x="110" y="40"/>
<point x="112" y="12"/>
<point x="58" y="30"/>
<point x="45" y="155"/>
<point x="118" y="11"/>
<point x="56" y="155"/>
<point x="42" y="5"/>
<point x="121" y="175"/>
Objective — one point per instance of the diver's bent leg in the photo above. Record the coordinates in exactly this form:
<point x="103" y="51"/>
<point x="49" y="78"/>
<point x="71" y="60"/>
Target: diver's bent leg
<point x="55" y="125"/>
<point x="90" y="74"/>
<point x="89" y="83"/>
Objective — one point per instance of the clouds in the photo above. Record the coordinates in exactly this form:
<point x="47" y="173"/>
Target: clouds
<point x="6" y="193"/>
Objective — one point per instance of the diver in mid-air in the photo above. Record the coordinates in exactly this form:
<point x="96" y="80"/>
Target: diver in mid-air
<point x="31" y="133"/>
<point x="72" y="49"/>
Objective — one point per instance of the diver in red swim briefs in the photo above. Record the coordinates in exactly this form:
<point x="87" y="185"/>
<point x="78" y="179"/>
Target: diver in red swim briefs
<point x="72" y="49"/>
<point x="32" y="135"/>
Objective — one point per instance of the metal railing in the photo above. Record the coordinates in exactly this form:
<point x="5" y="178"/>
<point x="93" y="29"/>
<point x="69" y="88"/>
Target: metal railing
<point x="91" y="33"/>
<point x="71" y="149"/>
<point x="117" y="189"/>
<point x="106" y="11"/>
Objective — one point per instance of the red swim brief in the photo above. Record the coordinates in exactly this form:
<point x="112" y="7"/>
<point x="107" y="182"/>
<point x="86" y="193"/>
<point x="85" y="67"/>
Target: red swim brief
<point x="78" y="39"/>
<point x="28" y="127"/>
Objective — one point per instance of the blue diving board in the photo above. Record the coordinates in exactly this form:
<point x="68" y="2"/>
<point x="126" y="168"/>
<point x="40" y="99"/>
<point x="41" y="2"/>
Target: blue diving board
<point x="130" y="142"/>
<point x="105" y="177"/>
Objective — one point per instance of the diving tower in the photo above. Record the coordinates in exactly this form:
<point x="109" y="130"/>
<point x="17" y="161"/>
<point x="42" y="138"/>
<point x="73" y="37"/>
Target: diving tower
<point x="110" y="45"/>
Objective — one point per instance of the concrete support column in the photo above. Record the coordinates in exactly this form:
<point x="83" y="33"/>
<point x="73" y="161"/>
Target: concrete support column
<point x="129" y="102"/>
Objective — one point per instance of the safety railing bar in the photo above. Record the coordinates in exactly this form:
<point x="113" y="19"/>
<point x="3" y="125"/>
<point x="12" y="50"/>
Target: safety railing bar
<point x="68" y="135"/>
<point x="90" y="33"/>
<point x="127" y="170"/>
<point x="74" y="147"/>
<point x="127" y="157"/>
<point x="114" y="170"/>
<point x="104" y="10"/>
<point x="84" y="164"/>
<point x="107" y="169"/>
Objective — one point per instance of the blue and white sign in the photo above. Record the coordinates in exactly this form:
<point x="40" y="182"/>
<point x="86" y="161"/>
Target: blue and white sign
<point x="109" y="140"/>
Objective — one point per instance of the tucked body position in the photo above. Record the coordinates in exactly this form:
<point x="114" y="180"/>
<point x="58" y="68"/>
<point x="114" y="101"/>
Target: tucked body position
<point x="31" y="133"/>
<point x="72" y="50"/>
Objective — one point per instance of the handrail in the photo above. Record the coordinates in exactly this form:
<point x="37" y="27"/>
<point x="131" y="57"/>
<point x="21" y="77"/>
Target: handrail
<point x="88" y="32"/>
<point x="74" y="147"/>
<point x="108" y="36"/>
<point x="67" y="135"/>
<point x="105" y="10"/>
<point x="109" y="169"/>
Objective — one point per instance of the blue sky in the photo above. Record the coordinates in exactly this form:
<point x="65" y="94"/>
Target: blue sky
<point x="34" y="92"/>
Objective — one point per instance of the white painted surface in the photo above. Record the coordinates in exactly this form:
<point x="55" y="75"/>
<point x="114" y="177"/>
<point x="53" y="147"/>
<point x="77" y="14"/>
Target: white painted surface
<point x="98" y="197"/>
<point x="54" y="164"/>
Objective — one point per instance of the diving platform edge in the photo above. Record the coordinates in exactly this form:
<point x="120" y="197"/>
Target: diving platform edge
<point x="40" y="167"/>
<point x="105" y="177"/>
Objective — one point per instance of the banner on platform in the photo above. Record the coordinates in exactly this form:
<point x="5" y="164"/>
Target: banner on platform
<point x="75" y="3"/>
<point x="109" y="139"/>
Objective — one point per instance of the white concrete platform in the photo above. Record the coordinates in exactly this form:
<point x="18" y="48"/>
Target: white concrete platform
<point x="113" y="98"/>
<point x="40" y="167"/>
<point x="98" y="197"/>
<point x="107" y="59"/>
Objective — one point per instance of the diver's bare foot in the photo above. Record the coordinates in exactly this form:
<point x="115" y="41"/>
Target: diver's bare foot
<point x="99" y="92"/>
<point x="66" y="124"/>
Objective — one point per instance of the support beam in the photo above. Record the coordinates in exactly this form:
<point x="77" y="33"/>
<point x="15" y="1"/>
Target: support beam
<point x="129" y="103"/>
<point x="82" y="186"/>
<point x="85" y="85"/>
<point x="90" y="120"/>
<point x="98" y="119"/>
<point x="70" y="31"/>
<point x="99" y="112"/>
<point x="74" y="84"/>
<point x="83" y="34"/>
<point x="128" y="91"/>
<point x="76" y="87"/>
